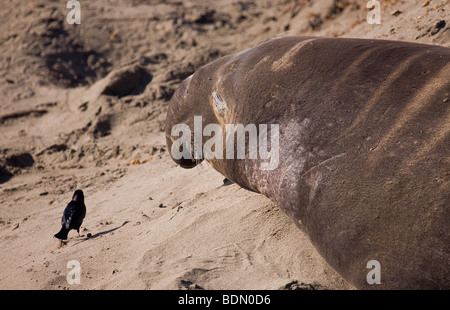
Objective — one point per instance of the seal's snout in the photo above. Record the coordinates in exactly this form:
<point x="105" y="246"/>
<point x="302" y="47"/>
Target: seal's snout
<point x="185" y="159"/>
<point x="188" y="163"/>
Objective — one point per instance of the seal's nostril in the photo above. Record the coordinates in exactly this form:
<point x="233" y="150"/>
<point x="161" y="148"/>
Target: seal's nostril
<point x="188" y="163"/>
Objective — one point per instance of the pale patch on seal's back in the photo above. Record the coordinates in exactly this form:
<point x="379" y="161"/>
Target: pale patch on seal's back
<point x="285" y="61"/>
<point x="421" y="101"/>
<point x="220" y="106"/>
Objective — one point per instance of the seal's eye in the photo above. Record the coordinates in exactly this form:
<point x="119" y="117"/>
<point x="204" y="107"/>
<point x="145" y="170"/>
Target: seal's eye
<point x="219" y="104"/>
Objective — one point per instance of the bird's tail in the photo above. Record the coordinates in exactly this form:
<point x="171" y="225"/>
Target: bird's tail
<point x="62" y="234"/>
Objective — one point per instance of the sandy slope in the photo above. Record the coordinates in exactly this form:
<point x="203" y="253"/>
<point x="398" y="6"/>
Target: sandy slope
<point x="83" y="106"/>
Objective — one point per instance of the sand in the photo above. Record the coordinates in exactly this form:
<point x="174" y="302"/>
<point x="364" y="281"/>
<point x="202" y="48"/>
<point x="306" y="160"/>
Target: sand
<point x="83" y="107"/>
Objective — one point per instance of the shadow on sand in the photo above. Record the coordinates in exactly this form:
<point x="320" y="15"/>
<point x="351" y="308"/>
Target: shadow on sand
<point x="102" y="233"/>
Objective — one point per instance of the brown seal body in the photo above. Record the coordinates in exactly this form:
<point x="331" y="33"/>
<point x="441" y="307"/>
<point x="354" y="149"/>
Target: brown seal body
<point x="364" y="147"/>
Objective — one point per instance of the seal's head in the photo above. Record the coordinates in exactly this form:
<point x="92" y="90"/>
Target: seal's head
<point x="194" y="97"/>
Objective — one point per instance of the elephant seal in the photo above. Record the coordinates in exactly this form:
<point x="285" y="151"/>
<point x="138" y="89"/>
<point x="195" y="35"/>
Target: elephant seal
<point x="364" y="137"/>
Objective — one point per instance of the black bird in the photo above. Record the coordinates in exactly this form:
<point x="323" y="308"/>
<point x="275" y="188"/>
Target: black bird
<point x="73" y="215"/>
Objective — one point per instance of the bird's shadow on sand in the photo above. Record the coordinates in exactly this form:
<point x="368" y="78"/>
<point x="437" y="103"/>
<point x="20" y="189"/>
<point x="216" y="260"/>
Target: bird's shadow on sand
<point x="101" y="233"/>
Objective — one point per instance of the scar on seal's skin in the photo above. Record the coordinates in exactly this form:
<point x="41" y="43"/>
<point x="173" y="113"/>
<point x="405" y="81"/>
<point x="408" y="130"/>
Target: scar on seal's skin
<point x="323" y="162"/>
<point x="219" y="104"/>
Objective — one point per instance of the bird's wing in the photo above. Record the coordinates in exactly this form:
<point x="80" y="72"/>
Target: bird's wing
<point x="69" y="211"/>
